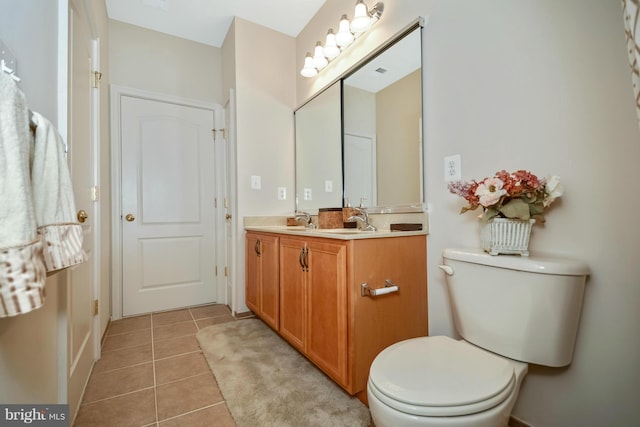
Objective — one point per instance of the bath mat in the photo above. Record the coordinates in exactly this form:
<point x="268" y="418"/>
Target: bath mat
<point x="266" y="383"/>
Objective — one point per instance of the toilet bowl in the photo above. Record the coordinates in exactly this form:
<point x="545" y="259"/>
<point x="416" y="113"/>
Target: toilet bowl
<point x="509" y="311"/>
<point x="439" y="381"/>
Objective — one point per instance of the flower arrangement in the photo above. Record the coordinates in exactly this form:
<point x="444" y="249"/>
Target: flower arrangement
<point x="517" y="195"/>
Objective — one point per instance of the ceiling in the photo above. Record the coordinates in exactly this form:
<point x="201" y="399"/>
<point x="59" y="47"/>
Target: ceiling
<point x="207" y="21"/>
<point x="396" y="62"/>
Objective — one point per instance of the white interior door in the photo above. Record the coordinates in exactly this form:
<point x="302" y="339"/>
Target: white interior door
<point x="360" y="170"/>
<point x="80" y="295"/>
<point x="168" y="214"/>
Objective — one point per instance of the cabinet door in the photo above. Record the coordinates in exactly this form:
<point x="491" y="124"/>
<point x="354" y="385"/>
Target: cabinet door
<point x="269" y="272"/>
<point x="383" y="320"/>
<point x="252" y="280"/>
<point x="292" y="292"/>
<point x="327" y="307"/>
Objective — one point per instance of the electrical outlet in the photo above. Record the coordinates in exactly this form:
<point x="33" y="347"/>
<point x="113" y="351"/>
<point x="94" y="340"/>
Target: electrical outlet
<point x="282" y="193"/>
<point x="328" y="186"/>
<point x="307" y="194"/>
<point x="452" y="170"/>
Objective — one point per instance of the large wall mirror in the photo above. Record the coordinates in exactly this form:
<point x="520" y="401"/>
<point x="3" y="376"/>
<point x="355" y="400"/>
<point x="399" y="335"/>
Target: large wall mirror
<point x="319" y="152"/>
<point x="360" y="141"/>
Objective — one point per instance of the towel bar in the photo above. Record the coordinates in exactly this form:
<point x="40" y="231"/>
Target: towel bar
<point x="389" y="287"/>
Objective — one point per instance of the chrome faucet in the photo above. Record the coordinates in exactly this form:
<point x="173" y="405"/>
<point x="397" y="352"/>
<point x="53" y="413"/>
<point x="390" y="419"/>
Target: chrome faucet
<point x="300" y="215"/>
<point x="363" y="218"/>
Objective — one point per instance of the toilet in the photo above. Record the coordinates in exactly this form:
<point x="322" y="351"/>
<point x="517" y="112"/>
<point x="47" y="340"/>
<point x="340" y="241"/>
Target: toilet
<point x="510" y="311"/>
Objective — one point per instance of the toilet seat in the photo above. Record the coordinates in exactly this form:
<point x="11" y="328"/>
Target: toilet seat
<point x="439" y="376"/>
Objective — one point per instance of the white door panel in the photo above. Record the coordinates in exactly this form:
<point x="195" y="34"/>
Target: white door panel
<point x="81" y="147"/>
<point x="360" y="170"/>
<point x="168" y="188"/>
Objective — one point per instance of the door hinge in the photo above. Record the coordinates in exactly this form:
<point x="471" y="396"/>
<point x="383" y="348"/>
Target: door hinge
<point x="223" y="130"/>
<point x="225" y="272"/>
<point x="216" y="271"/>
<point x="95" y="80"/>
<point x="96" y="307"/>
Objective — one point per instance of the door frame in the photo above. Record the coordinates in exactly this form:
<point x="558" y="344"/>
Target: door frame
<point x="231" y="193"/>
<point x="116" y="93"/>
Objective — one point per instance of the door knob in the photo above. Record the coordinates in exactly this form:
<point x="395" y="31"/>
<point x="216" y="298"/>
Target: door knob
<point x="227" y="216"/>
<point x="82" y="215"/>
<point x="130" y="217"/>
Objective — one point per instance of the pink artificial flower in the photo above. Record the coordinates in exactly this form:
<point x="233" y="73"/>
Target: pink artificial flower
<point x="490" y="191"/>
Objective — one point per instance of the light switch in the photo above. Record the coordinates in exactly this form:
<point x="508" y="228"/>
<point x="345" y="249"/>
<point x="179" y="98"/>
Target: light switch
<point x="255" y="182"/>
<point x="328" y="186"/>
<point x="282" y="193"/>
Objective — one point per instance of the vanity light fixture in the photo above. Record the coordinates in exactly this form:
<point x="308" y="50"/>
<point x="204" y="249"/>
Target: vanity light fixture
<point x="319" y="60"/>
<point x="344" y="37"/>
<point x="363" y="19"/>
<point x="308" y="70"/>
<point x="331" y="49"/>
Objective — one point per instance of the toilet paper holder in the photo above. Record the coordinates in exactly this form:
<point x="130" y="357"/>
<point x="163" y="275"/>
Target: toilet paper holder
<point x="389" y="287"/>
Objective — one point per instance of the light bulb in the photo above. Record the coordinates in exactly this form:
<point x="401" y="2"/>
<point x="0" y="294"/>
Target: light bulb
<point x="308" y="70"/>
<point x="344" y="37"/>
<point x="319" y="61"/>
<point x="331" y="49"/>
<point x="361" y="20"/>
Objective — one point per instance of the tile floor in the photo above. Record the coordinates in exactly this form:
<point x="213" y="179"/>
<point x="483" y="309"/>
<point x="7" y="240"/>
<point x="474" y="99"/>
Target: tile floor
<point x="152" y="373"/>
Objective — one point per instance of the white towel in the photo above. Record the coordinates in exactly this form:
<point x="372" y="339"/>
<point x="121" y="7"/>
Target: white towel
<point x="53" y="201"/>
<point x="22" y="270"/>
<point x="38" y="230"/>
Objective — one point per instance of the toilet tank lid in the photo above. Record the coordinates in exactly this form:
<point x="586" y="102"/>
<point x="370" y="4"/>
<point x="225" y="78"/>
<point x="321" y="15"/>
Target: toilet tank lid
<point x="533" y="264"/>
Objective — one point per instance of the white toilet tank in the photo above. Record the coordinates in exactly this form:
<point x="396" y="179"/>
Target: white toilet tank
<point x="524" y="308"/>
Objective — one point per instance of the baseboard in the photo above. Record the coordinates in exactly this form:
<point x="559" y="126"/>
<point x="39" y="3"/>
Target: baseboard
<point x="515" y="422"/>
<point x="244" y="315"/>
<point x="104" y="333"/>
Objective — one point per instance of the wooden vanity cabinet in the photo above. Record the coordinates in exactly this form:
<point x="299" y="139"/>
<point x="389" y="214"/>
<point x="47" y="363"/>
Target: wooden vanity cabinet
<point x="313" y="301"/>
<point x="262" y="276"/>
<point x="322" y="311"/>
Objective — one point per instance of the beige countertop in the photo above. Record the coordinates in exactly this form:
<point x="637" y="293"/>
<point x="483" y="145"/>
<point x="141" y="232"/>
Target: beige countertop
<point x="333" y="233"/>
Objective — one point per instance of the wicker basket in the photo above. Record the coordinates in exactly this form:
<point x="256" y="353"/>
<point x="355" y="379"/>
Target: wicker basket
<point x="506" y="236"/>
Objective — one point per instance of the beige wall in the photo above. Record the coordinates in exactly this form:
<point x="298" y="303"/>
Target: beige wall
<point x="398" y="114"/>
<point x="359" y="111"/>
<point x="229" y="63"/>
<point x="156" y="62"/>
<point x="265" y="100"/>
<point x="531" y="84"/>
